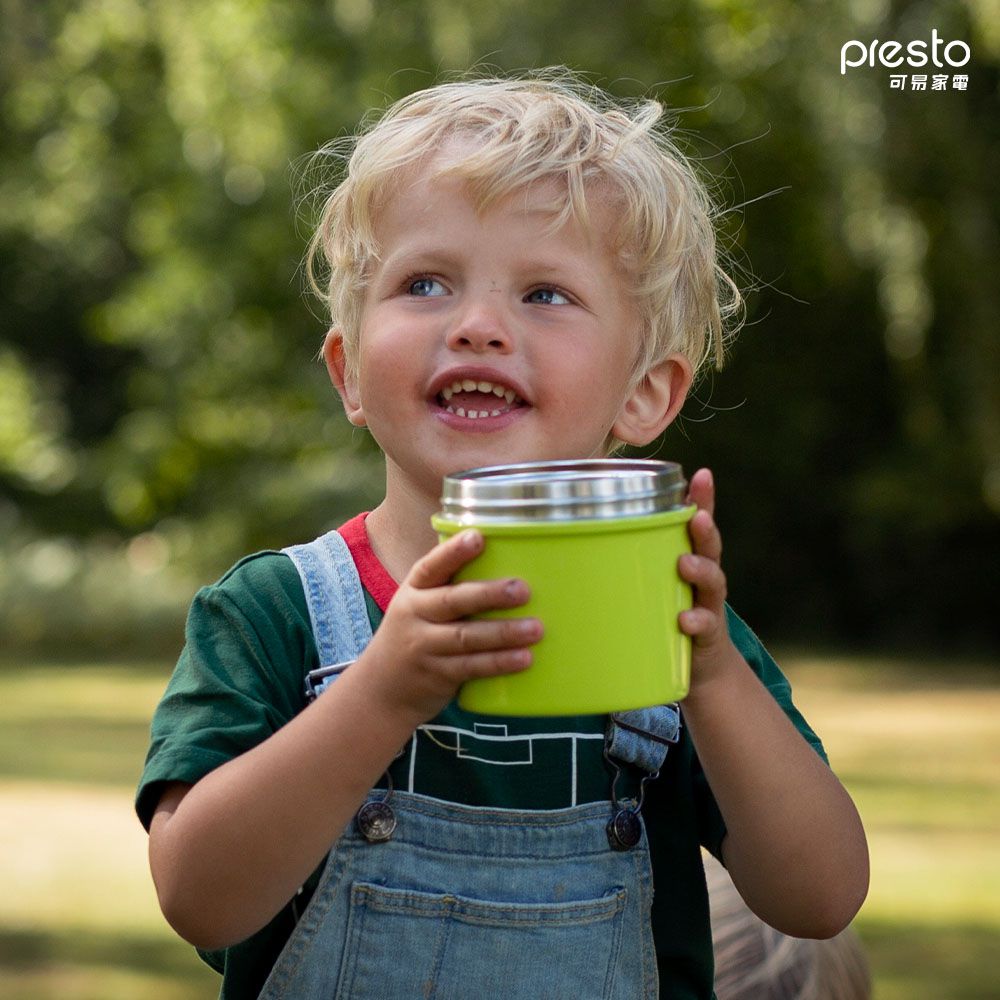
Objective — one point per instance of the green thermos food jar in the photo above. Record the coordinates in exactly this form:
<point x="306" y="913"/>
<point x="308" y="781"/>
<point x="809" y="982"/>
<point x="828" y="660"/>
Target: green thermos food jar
<point x="597" y="541"/>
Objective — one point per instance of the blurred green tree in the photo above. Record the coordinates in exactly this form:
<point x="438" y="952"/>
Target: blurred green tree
<point x="159" y="411"/>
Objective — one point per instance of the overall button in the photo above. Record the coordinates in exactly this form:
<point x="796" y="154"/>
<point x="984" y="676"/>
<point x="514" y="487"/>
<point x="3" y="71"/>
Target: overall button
<point x="624" y="830"/>
<point x="376" y="822"/>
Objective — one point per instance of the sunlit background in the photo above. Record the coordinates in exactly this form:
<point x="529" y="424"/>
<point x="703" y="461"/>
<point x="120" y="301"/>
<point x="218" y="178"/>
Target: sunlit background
<point x="162" y="412"/>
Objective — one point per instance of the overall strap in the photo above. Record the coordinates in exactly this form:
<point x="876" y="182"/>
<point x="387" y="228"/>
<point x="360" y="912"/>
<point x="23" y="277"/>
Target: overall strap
<point x="336" y="602"/>
<point x="642" y="737"/>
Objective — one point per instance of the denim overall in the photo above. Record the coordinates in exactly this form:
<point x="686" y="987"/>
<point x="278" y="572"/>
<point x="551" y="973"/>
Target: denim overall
<point x="423" y="898"/>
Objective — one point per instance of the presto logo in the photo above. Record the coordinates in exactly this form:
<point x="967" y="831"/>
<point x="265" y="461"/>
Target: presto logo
<point x="917" y="53"/>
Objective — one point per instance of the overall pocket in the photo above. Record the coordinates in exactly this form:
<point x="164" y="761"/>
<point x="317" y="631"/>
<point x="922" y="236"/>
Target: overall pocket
<point x="427" y="946"/>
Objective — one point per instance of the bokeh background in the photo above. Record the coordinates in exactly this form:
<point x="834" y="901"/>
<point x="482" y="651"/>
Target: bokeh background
<point x="162" y="411"/>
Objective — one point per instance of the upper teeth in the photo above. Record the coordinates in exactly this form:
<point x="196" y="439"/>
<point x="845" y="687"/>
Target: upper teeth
<point x="471" y="385"/>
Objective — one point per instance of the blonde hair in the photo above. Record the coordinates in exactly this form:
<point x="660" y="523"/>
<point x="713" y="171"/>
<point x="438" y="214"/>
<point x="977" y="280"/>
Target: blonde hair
<point x="548" y="126"/>
<point x="755" y="962"/>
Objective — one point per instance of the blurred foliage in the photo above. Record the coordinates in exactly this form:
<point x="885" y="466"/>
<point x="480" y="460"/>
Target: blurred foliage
<point x="160" y="413"/>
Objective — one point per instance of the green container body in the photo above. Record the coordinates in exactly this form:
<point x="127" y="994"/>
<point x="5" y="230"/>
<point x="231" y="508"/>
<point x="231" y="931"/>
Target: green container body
<point x="608" y="594"/>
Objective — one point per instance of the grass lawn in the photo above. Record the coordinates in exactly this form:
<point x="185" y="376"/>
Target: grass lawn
<point x="78" y="917"/>
<point x="919" y="749"/>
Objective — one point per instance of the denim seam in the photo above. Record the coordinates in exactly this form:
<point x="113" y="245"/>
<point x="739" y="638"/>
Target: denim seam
<point x="438" y="849"/>
<point x="444" y="939"/>
<point x="644" y="882"/>
<point x="523" y="819"/>
<point x="301" y="941"/>
<point x="354" y="931"/>
<point x="616" y="942"/>
<point x="337" y="611"/>
<point x="351" y="593"/>
<point x="460" y="907"/>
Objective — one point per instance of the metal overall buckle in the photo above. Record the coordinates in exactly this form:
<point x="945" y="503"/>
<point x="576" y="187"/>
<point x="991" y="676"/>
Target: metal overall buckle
<point x="376" y="821"/>
<point x="624" y="829"/>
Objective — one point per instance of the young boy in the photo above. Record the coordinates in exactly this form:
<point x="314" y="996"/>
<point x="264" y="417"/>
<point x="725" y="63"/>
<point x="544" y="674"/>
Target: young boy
<point x="516" y="272"/>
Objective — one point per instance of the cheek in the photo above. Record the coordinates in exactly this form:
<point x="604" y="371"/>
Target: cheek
<point x="388" y="385"/>
<point x="594" y="372"/>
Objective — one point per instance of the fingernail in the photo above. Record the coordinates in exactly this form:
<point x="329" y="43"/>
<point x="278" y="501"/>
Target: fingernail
<point x="471" y="538"/>
<point x="530" y="628"/>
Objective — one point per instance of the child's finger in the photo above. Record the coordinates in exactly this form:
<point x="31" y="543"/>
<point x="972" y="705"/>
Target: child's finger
<point x="445" y="560"/>
<point x="697" y="622"/>
<point x="448" y="603"/>
<point x="488" y="664"/>
<point x="701" y="491"/>
<point x="706" y="576"/>
<point x="463" y="637"/>
<point x="705" y="538"/>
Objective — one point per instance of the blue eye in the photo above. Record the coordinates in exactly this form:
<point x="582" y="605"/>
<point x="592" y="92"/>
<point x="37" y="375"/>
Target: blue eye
<point x="426" y="288"/>
<point x="547" y="297"/>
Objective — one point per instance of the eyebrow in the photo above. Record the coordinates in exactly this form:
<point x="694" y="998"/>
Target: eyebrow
<point x="419" y="256"/>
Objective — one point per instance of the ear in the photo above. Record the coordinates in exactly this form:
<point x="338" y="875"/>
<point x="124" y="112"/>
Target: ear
<point x="345" y="384"/>
<point x="654" y="402"/>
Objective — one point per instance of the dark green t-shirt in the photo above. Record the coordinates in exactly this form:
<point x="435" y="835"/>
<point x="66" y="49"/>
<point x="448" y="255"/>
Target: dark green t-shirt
<point x="240" y="678"/>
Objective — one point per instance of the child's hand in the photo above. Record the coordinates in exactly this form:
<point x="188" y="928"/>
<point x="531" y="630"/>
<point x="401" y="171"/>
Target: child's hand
<point x="425" y="648"/>
<point x="705" y="622"/>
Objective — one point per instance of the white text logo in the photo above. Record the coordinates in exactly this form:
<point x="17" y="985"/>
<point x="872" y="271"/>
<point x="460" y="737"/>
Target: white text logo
<point x="891" y="53"/>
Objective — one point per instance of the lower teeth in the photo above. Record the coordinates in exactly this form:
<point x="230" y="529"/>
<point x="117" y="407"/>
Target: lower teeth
<point x="474" y="414"/>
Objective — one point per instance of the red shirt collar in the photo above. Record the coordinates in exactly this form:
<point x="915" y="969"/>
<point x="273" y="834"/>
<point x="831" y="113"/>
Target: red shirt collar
<point x="375" y="577"/>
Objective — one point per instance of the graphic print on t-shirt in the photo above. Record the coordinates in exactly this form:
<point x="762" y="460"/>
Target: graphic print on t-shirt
<point x="538" y="768"/>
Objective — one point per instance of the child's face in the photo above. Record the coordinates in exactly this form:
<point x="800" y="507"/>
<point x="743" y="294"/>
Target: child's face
<point x="487" y="339"/>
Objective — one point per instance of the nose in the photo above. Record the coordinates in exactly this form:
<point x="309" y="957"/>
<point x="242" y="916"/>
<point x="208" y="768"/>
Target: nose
<point x="482" y="327"/>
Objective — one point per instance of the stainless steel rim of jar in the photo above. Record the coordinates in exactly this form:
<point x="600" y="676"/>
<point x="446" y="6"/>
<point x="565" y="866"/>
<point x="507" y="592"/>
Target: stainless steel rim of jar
<point x="557" y="491"/>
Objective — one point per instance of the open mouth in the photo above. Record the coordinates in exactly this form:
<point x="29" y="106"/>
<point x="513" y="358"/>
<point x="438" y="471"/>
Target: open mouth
<point x="478" y="399"/>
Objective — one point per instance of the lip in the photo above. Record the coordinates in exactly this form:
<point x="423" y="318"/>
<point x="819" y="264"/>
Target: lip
<point x="480" y="373"/>
<point x="480" y="425"/>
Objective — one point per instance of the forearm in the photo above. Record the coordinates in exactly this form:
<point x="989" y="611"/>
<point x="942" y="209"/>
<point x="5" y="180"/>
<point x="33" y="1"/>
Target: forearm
<point x="795" y="847"/>
<point x="230" y="851"/>
<point x="228" y="854"/>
